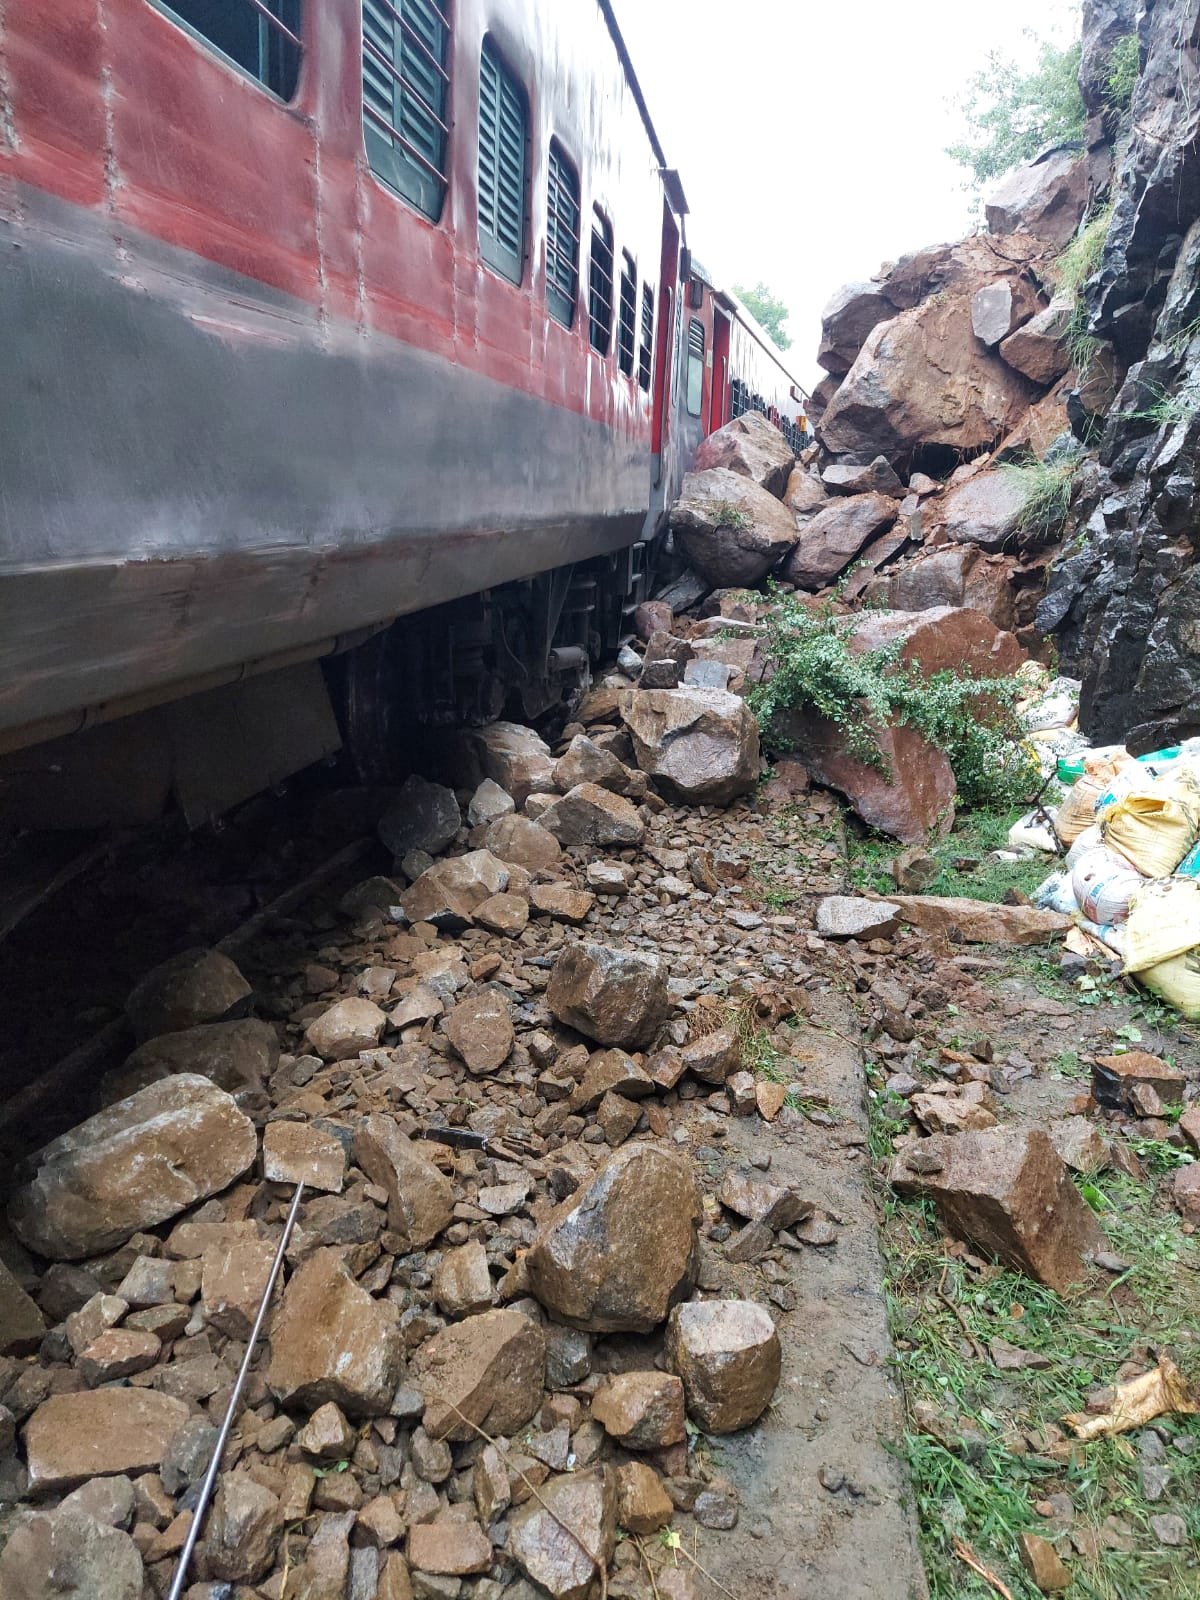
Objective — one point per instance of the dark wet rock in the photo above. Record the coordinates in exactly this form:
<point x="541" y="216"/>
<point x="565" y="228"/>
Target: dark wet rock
<point x="424" y="817"/>
<point x="194" y="987"/>
<point x="616" y="997"/>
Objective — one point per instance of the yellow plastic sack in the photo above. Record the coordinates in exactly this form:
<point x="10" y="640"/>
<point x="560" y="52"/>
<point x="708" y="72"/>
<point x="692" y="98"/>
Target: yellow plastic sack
<point x="1156" y="826"/>
<point x="1078" y="810"/>
<point x="1177" y="982"/>
<point x="1163" y="922"/>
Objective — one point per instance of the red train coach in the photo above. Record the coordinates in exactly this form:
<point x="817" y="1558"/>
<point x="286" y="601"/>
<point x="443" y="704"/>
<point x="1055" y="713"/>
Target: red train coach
<point x="316" y="316"/>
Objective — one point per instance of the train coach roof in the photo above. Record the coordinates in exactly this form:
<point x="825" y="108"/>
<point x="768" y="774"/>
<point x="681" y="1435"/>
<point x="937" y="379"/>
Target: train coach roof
<point x="670" y="177"/>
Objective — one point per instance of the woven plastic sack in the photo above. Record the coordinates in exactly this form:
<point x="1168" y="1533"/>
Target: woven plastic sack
<point x="1031" y="833"/>
<point x="1090" y="839"/>
<point x="1102" y="776"/>
<point x="1105" y="885"/>
<point x="1177" y="982"/>
<point x="1056" y="894"/>
<point x="1154" y="828"/>
<point x="1163" y="922"/>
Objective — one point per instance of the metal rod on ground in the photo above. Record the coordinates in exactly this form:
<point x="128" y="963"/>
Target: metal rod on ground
<point x="214" y="1466"/>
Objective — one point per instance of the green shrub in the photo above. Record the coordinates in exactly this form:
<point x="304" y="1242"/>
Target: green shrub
<point x="1011" y="114"/>
<point x="972" y="719"/>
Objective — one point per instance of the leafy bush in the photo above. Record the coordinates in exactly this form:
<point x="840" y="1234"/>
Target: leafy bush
<point x="768" y="310"/>
<point x="972" y="719"/>
<point x="1011" y="114"/>
<point x="1123" y="66"/>
<point x="1046" y="494"/>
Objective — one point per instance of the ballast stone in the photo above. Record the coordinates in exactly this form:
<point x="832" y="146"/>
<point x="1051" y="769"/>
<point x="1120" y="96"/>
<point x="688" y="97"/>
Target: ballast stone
<point x="346" y="1028"/>
<point x="132" y="1166"/>
<point x="420" y="1195"/>
<point x="449" y="891"/>
<point x="701" y="746"/>
<point x="484" y="1372"/>
<point x="616" y="997"/>
<point x="193" y="987"/>
<point x="99" y="1433"/>
<point x="68" y="1555"/>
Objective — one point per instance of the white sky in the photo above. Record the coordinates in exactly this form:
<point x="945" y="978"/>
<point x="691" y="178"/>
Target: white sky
<point x="810" y="136"/>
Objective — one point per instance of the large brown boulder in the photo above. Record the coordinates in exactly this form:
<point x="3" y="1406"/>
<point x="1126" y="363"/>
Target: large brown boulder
<point x="195" y="986"/>
<point x="924" y="379"/>
<point x="234" y="1055"/>
<point x="132" y="1166"/>
<point x="957" y="575"/>
<point x="616" y="997"/>
<point x="851" y="314"/>
<point x="1046" y="198"/>
<point x="1038" y="349"/>
<point x="943" y="639"/>
<point x="513" y="756"/>
<point x="590" y="815"/>
<point x="805" y="493"/>
<point x="984" y="510"/>
<point x="99" y="1433"/>
<point x="331" y="1341"/>
<point x="449" y="891"/>
<point x="487" y="1370"/>
<point x="618" y="1254"/>
<point x="751" y="445"/>
<point x="699" y="745"/>
<point x="830" y="541"/>
<point x="730" y="530"/>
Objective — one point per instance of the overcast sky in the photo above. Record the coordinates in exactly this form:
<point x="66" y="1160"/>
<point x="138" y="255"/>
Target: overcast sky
<point x="810" y="137"/>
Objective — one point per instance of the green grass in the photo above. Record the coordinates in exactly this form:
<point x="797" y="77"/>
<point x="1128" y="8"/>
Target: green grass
<point x="975" y="835"/>
<point x="1046" y="490"/>
<point x="1081" y="258"/>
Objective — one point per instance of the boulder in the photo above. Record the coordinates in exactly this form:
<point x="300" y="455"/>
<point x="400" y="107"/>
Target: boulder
<point x="448" y="892"/>
<point x="845" y="916"/>
<point x="484" y="1372"/>
<point x="234" y="1055"/>
<point x="876" y="478"/>
<point x="589" y="815"/>
<point x="641" y="1410"/>
<point x="960" y="576"/>
<point x="67" y="1555"/>
<point x="731" y="531"/>
<point x="910" y="796"/>
<point x="132" y="1166"/>
<point x="979" y="921"/>
<point x="1046" y="198"/>
<point x="652" y="616"/>
<point x="425" y="816"/>
<point x="584" y="761"/>
<point x="562" y="1539"/>
<point x="521" y="842"/>
<point x="561" y="902"/>
<point x="346" y="1028"/>
<point x="242" y="1531"/>
<point x="924" y="379"/>
<point x="506" y="914"/>
<point x="481" y="1031"/>
<point x="420" y="1195"/>
<point x="616" y="1255"/>
<point x="713" y="1056"/>
<point x="805" y="493"/>
<point x="488" y="804"/>
<point x="193" y="987"/>
<point x="942" y="639"/>
<point x="1008" y="1192"/>
<point x="1038" y="349"/>
<point x="331" y="1341"/>
<point x="327" y="1435"/>
<point x="513" y="756"/>
<point x="852" y="313"/>
<point x="610" y="1072"/>
<point x="727" y="1353"/>
<point x="99" y="1433"/>
<point x="22" y="1326"/>
<point x="616" y="997"/>
<point x="752" y="446"/>
<point x="830" y="541"/>
<point x="999" y="308"/>
<point x="700" y="746"/>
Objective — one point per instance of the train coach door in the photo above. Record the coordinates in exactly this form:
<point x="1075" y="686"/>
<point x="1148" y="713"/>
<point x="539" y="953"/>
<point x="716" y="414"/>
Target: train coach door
<point x="719" y="405"/>
<point x="668" y="279"/>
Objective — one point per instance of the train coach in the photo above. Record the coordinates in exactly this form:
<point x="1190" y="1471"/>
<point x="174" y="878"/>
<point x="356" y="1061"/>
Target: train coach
<point x="352" y="353"/>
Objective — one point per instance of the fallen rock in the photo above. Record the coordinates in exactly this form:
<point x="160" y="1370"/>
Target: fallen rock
<point x="589" y="815"/>
<point x="609" y="1072"/>
<point x="1043" y="1563"/>
<point x="877" y="478"/>
<point x="348" y="1027"/>
<point x="488" y="804"/>
<point x="910" y="796"/>
<point x="997" y="309"/>
<point x="983" y="511"/>
<point x="327" y="1435"/>
<point x="565" y="1564"/>
<point x="1039" y="348"/>
<point x="979" y="921"/>
<point x="99" y="1433"/>
<point x="701" y="746"/>
<point x="449" y="891"/>
<point x="326" y="1566"/>
<point x="847" y="319"/>
<point x="1008" y="1192"/>
<point x="752" y="446"/>
<point x="452" y="1545"/>
<point x="805" y="493"/>
<point x="512" y="755"/>
<point x="643" y="1505"/>
<point x="195" y="986"/>
<point x="618" y="1253"/>
<point x="560" y="901"/>
<point x="1080" y="1144"/>
<point x="831" y="540"/>
<point x="67" y="1555"/>
<point x="728" y="1355"/>
<point x="462" y="1284"/>
<point x="22" y="1326"/>
<point x="966" y="1110"/>
<point x="957" y="575"/>
<point x="641" y="1410"/>
<point x="914" y="870"/>
<point x="118" y="1354"/>
<point x="420" y="1196"/>
<point x="425" y="817"/>
<point x="1114" y="1079"/>
<point x="713" y="1056"/>
<point x="759" y="1200"/>
<point x="233" y="1278"/>
<point x="521" y="842"/>
<point x="729" y="529"/>
<point x="1046" y="198"/>
<point x="300" y="1152"/>
<point x="481" y="1031"/>
<point x="506" y="914"/>
<point x="330" y="1341"/>
<point x="243" y="1529"/>
<point x="617" y="997"/>
<point x="844" y="916"/>
<point x="487" y="1370"/>
<point x="233" y="1055"/>
<point x="584" y="761"/>
<point x="131" y="1166"/>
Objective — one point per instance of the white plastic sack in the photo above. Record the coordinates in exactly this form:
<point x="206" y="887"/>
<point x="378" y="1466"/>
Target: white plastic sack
<point x="1057" y="893"/>
<point x="1104" y="885"/>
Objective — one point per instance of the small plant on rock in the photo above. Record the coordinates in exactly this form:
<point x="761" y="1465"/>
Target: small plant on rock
<point x="727" y="515"/>
<point x="1123" y="67"/>
<point x="1046" y="488"/>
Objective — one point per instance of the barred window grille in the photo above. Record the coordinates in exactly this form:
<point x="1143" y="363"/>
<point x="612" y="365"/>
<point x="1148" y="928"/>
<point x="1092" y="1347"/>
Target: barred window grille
<point x="406" y="82"/>
<point x="502" y="166"/>
<point x="260" y="37"/>
<point x="562" y="238"/>
<point x="695" y="367"/>
<point x="600" y="284"/>
<point x="626" y="327"/>
<point x="646" y="350"/>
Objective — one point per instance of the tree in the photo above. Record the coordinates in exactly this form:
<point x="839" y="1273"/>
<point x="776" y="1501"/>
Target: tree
<point x="1011" y="114"/>
<point x="767" y="309"/>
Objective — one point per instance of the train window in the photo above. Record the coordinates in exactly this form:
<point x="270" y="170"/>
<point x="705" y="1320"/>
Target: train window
<point x="695" y="367"/>
<point x="406" y="79"/>
<point x="628" y="317"/>
<point x="646" y="353"/>
<point x="600" y="284"/>
<point x="562" y="238"/>
<point x="261" y="37"/>
<point x="502" y="164"/>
